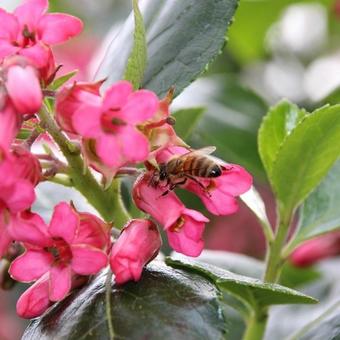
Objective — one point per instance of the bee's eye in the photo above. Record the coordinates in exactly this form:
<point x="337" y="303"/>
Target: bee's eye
<point x="215" y="171"/>
<point x="162" y="176"/>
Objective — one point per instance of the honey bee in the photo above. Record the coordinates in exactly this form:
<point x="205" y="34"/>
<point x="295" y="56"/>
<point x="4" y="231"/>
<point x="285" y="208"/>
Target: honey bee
<point x="193" y="164"/>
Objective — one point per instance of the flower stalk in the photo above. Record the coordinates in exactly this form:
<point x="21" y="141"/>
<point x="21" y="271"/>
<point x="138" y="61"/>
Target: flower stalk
<point x="256" y="325"/>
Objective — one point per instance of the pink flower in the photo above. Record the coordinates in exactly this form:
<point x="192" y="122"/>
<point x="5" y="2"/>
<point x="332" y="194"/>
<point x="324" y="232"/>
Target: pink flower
<point x="184" y="226"/>
<point x="136" y="246"/>
<point x="27" y="165"/>
<point x="29" y="31"/>
<point x="113" y="125"/>
<point x="73" y="245"/>
<point x="16" y="195"/>
<point x="218" y="194"/>
<point x="315" y="250"/>
<point x="71" y="97"/>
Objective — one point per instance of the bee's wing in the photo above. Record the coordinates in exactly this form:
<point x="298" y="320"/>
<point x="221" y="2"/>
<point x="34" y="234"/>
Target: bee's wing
<point x="203" y="151"/>
<point x="206" y="151"/>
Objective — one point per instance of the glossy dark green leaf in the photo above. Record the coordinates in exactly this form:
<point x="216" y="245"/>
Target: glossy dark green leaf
<point x="138" y="58"/>
<point x="182" y="38"/>
<point x="165" y="304"/>
<point x="306" y="156"/>
<point x="186" y="120"/>
<point x="255" y="292"/>
<point x="276" y="126"/>
<point x="320" y="212"/>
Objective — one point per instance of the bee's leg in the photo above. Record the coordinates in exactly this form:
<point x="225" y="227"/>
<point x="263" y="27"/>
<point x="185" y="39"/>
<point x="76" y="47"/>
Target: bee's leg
<point x="206" y="191"/>
<point x="172" y="186"/>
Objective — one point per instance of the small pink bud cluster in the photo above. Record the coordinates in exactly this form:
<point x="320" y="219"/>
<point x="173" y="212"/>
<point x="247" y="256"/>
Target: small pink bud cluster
<point x="118" y="128"/>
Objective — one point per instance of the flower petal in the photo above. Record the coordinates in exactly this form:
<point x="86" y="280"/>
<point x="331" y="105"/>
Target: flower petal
<point x="30" y="266"/>
<point x="141" y="106"/>
<point x="35" y="300"/>
<point x="234" y="181"/>
<point x="42" y="57"/>
<point x="135" y="145"/>
<point x="87" y="260"/>
<point x="7" y="49"/>
<point x="127" y="270"/>
<point x="186" y="238"/>
<point x="165" y="209"/>
<point x="109" y="151"/>
<point x="86" y="121"/>
<point x="30" y="12"/>
<point x="117" y="95"/>
<point x="57" y="27"/>
<point x="5" y="238"/>
<point x="64" y="222"/>
<point x="60" y="282"/>
<point x="9" y="125"/>
<point x="92" y="231"/>
<point x="9" y="26"/>
<point x="29" y="228"/>
<point x="216" y="201"/>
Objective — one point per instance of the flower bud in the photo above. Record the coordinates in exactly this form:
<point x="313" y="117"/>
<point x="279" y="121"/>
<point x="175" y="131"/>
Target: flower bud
<point x="35" y="300"/>
<point x="23" y="87"/>
<point x="317" y="249"/>
<point x="138" y="244"/>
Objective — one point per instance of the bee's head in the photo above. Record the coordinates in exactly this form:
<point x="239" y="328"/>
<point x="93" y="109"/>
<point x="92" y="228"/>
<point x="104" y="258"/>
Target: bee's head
<point x="162" y="172"/>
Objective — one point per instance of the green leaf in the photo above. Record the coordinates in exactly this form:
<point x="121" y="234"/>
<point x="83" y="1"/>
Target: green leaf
<point x="320" y="212"/>
<point x="138" y="58"/>
<point x="165" y="304"/>
<point x="256" y="293"/>
<point x="59" y="82"/>
<point x="234" y="262"/>
<point x="182" y="38"/>
<point x="306" y="156"/>
<point x="186" y="120"/>
<point x="276" y="126"/>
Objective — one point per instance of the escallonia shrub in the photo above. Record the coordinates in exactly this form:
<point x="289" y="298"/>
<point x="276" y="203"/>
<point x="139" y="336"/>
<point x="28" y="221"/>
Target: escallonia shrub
<point x="96" y="133"/>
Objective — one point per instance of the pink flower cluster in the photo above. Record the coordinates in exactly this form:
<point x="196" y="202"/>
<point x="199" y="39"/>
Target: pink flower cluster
<point x="120" y="128"/>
